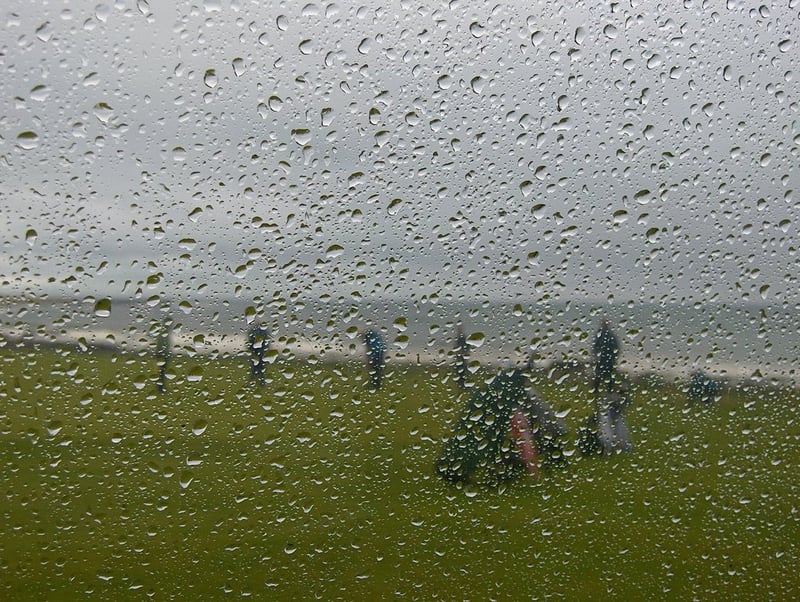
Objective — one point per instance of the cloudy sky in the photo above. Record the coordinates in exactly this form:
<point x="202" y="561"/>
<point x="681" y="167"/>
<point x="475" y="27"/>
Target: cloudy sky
<point x="631" y="151"/>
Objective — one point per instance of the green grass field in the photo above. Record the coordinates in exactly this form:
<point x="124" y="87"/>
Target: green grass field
<point x="315" y="488"/>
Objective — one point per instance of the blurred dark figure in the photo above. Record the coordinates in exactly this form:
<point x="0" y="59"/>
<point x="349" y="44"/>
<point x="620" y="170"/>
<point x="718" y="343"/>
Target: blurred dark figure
<point x="462" y="355"/>
<point x="549" y="431"/>
<point x="606" y="432"/>
<point x="258" y="341"/>
<point x="702" y="387"/>
<point x="605" y="353"/>
<point x="376" y="357"/>
<point x="612" y="428"/>
<point x="163" y="353"/>
<point x="530" y="364"/>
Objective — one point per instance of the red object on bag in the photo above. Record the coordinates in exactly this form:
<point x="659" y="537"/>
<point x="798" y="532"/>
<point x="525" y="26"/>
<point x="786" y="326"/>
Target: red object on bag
<point x="521" y="430"/>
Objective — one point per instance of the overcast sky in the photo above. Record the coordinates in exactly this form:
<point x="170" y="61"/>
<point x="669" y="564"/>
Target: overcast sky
<point x="520" y="149"/>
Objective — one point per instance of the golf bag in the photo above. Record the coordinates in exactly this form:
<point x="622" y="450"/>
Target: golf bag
<point x="607" y="431"/>
<point x="481" y="438"/>
<point x="487" y="437"/>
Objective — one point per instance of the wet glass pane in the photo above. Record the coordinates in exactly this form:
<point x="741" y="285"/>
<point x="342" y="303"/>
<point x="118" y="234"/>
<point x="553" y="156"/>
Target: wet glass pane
<point x="411" y="299"/>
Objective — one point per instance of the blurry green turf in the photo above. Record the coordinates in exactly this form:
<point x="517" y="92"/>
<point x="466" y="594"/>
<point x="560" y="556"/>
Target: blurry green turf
<point x="315" y="487"/>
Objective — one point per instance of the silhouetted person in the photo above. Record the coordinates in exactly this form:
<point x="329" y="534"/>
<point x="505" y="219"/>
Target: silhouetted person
<point x="258" y="340"/>
<point x="376" y="357"/>
<point x="549" y="430"/>
<point x="530" y="363"/>
<point x="462" y="353"/>
<point x="163" y="354"/>
<point x="605" y="352"/>
<point x="702" y="387"/>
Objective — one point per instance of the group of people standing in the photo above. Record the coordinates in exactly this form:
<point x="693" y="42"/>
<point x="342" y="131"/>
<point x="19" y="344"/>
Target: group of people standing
<point x="507" y="410"/>
<point x="507" y="426"/>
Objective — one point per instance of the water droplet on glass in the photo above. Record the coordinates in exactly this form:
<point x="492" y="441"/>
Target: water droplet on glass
<point x="476" y="339"/>
<point x="282" y="23"/>
<point x="102" y="308"/>
<point x="444" y="82"/>
<point x="365" y="46"/>
<point x="92" y="79"/>
<point x="179" y="154"/>
<point x="765" y="159"/>
<point x="212" y="6"/>
<point x="374" y="116"/>
<point x="40" y="93"/>
<point x="334" y="251"/>
<point x="210" y="78"/>
<point x="642" y="197"/>
<point x="526" y="187"/>
<point x="199" y="427"/>
<point x="727" y="73"/>
<point x="382" y="137"/>
<point x="477" y="30"/>
<point x="655" y="61"/>
<point x="326" y="116"/>
<point x="238" y="67"/>
<point x="610" y="31"/>
<point x="785" y="45"/>
<point x="30" y="236"/>
<point x="580" y="36"/>
<point x="44" y="31"/>
<point x="477" y="84"/>
<point x="102" y="11"/>
<point x="301" y="136"/>
<point x="185" y="479"/>
<point x="103" y="112"/>
<point x="27" y="140"/>
<point x="275" y="103"/>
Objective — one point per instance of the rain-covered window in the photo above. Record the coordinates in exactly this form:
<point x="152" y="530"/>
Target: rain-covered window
<point x="407" y="299"/>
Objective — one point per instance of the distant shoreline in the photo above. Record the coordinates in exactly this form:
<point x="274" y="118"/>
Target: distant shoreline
<point x="233" y="346"/>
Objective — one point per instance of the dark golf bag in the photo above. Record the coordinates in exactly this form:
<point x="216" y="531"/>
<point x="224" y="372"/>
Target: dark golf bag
<point x="481" y="442"/>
